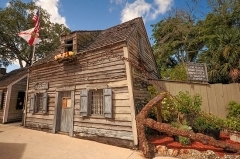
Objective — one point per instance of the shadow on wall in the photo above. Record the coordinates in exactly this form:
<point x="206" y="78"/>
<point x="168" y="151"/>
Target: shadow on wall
<point x="12" y="150"/>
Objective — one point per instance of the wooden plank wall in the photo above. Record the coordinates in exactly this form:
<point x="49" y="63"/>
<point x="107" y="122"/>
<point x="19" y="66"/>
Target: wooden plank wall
<point x="140" y="81"/>
<point x="91" y="71"/>
<point x="13" y="114"/>
<point x="215" y="97"/>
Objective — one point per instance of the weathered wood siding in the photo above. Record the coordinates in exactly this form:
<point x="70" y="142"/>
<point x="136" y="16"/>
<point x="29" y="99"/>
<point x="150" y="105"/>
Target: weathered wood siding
<point x="2" y="110"/>
<point x="13" y="113"/>
<point x="93" y="70"/>
<point x="144" y="59"/>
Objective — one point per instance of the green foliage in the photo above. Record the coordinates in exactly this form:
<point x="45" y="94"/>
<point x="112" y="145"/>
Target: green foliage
<point x="152" y="90"/>
<point x="178" y="73"/>
<point x="183" y="140"/>
<point x="17" y="17"/>
<point x="171" y="107"/>
<point x="234" y="110"/>
<point x="188" y="103"/>
<point x="233" y="118"/>
<point x="212" y="38"/>
<point x="232" y="123"/>
<point x="211" y="122"/>
<point x="169" y="110"/>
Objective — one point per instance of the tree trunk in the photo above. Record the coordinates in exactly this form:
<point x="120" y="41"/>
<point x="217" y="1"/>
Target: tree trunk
<point x="148" y="149"/>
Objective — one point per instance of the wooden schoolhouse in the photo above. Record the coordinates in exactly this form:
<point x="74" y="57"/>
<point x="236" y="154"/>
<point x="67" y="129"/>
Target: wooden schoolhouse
<point x="84" y="89"/>
<point x="12" y="94"/>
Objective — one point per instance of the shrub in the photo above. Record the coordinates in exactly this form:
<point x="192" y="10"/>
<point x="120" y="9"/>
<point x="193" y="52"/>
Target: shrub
<point x="233" y="118"/>
<point x="188" y="103"/>
<point x="234" y="110"/>
<point x="183" y="140"/>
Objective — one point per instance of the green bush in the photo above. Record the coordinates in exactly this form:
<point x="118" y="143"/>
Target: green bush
<point x="234" y="110"/>
<point x="232" y="123"/>
<point x="212" y="123"/>
<point x="183" y="140"/>
<point x="188" y="103"/>
<point x="169" y="110"/>
<point x="233" y="118"/>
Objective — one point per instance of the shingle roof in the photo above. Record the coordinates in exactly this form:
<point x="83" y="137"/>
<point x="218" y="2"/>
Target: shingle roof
<point x="113" y="35"/>
<point x="12" y="76"/>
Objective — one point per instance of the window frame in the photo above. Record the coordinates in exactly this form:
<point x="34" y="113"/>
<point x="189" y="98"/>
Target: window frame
<point x="34" y="103"/>
<point x="85" y="105"/>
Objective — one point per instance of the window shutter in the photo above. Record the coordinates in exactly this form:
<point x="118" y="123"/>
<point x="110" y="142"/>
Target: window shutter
<point x="32" y="103"/>
<point x="107" y="103"/>
<point x="1" y="99"/>
<point x="45" y="100"/>
<point x="84" y="110"/>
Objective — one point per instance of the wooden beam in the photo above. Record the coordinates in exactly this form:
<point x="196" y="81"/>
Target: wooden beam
<point x="131" y="98"/>
<point x="7" y="102"/>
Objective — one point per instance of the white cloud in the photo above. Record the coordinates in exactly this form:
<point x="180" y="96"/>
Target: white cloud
<point x="52" y="8"/>
<point x="140" y="8"/>
<point x="135" y="9"/>
<point x="162" y="7"/>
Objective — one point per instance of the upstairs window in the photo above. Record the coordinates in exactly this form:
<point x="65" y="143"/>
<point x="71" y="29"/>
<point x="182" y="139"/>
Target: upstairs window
<point x="68" y="45"/>
<point x="96" y="103"/>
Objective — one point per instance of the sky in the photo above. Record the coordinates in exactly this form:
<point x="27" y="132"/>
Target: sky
<point x="103" y="14"/>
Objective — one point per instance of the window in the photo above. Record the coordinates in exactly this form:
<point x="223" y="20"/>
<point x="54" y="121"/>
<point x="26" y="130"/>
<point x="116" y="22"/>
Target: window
<point x="20" y="100"/>
<point x="96" y="102"/>
<point x="69" y="45"/>
<point x="38" y="103"/>
<point x="66" y="100"/>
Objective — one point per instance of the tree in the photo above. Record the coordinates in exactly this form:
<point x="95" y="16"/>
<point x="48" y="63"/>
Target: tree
<point x="220" y="33"/>
<point x="17" y="17"/>
<point x="177" y="39"/>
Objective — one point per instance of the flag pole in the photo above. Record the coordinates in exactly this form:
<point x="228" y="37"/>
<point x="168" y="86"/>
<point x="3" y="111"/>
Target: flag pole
<point x="33" y="55"/>
<point x="36" y="26"/>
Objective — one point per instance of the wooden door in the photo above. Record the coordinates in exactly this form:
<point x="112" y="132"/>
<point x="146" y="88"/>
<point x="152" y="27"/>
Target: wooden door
<point x="66" y="113"/>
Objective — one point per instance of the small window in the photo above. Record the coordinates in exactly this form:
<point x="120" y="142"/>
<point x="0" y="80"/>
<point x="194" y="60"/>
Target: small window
<point x="96" y="102"/>
<point x="66" y="100"/>
<point x="69" y="45"/>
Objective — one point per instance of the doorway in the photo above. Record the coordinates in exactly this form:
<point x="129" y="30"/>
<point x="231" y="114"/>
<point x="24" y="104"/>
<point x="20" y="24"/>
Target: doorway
<point x="20" y="100"/>
<point x="63" y="113"/>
